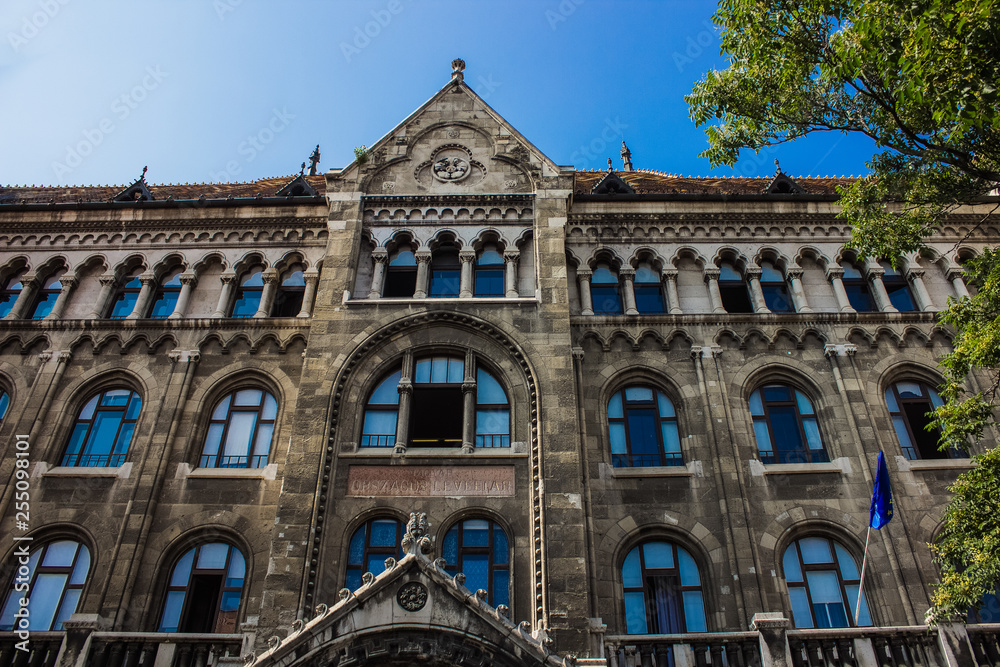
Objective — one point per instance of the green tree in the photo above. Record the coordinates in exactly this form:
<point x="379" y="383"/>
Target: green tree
<point x="920" y="78"/>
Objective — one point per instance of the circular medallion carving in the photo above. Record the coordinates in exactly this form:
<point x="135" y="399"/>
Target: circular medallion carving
<point x="450" y="169"/>
<point x="412" y="596"/>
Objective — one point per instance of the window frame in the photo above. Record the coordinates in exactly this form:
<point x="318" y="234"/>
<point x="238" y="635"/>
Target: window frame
<point x="734" y="293"/>
<point x="643" y="289"/>
<point x="480" y="270"/>
<point x="289" y="293"/>
<point x="12" y="289"/>
<point x="37" y="567"/>
<point x="627" y="459"/>
<point x="836" y="548"/>
<point x="913" y="451"/>
<point x="776" y="454"/>
<point x="896" y="283"/>
<point x="166" y="292"/>
<point x="224" y="587"/>
<point x="444" y="271"/>
<point x="130" y="285"/>
<point x="400" y="277"/>
<point x="242" y="291"/>
<point x="212" y="461"/>
<point x="648" y="592"/>
<point x="369" y="550"/>
<point x="73" y="459"/>
<point x="47" y="295"/>
<point x="601" y="291"/>
<point x="858" y="287"/>
<point x="490" y="550"/>
<point x="774" y="288"/>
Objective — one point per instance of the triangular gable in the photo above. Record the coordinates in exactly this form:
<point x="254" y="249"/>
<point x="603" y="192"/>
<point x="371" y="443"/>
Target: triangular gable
<point x="781" y="184"/>
<point x="138" y="191"/>
<point x="414" y="608"/>
<point x="297" y="187"/>
<point x="612" y="184"/>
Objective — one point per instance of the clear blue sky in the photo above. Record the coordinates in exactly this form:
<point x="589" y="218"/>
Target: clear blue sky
<point x="93" y="90"/>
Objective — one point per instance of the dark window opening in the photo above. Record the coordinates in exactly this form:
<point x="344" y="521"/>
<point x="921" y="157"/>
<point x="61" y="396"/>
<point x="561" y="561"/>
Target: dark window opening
<point x="489" y="273"/>
<point x="446" y="273"/>
<point x="288" y="300"/>
<point x="733" y="290"/>
<point x="909" y="403"/>
<point x="437" y="416"/>
<point x="401" y="275"/>
<point x="204" y="596"/>
<point x="898" y="289"/>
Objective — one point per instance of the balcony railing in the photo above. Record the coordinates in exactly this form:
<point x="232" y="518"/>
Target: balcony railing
<point x="852" y="647"/>
<point x="715" y="649"/>
<point x="126" y="649"/>
<point x="985" y="640"/>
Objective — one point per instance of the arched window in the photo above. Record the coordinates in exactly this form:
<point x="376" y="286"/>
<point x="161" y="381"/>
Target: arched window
<point x="4" y="404"/>
<point x="479" y="548"/>
<point x="288" y="300"/>
<point x="438" y="408"/>
<point x="371" y="544"/>
<point x="988" y="610"/>
<point x="604" y="292"/>
<point x="648" y="291"/>
<point x="8" y="295"/>
<point x="249" y="293"/>
<point x="733" y="290"/>
<point x="489" y="273"/>
<point x="662" y="591"/>
<point x="857" y="290"/>
<point x="205" y="589"/>
<point x="642" y="428"/>
<point x="56" y="575"/>
<point x="127" y="296"/>
<point x="823" y="584"/>
<point x="785" y="426"/>
<point x="401" y="275"/>
<point x="103" y="430"/>
<point x="898" y="289"/>
<point x="166" y="296"/>
<point x="240" y="431"/>
<point x="446" y="273"/>
<point x="772" y="284"/>
<point x="46" y="297"/>
<point x="908" y="403"/>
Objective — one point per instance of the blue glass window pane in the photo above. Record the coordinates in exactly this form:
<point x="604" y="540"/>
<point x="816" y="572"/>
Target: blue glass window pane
<point x="477" y="571"/>
<point x="82" y="567"/>
<point x="262" y="445"/>
<point x="403" y="258"/>
<point x="383" y="533"/>
<point x="115" y="398"/>
<point x="852" y="600"/>
<point x="488" y="390"/>
<point x="4" y="403"/>
<point x="59" y="554"/>
<point x="475" y="533"/>
<point x="387" y="393"/>
<point x="694" y="612"/>
<point x="293" y="279"/>
<point x="910" y="389"/>
<point x="213" y="556"/>
<point x="805" y="407"/>
<point x="7" y="302"/>
<point x="638" y="394"/>
<point x="456" y="370"/>
<point x="815" y="550"/>
<point x="616" y="431"/>
<point x="812" y="433"/>
<point x="904" y="437"/>
<point x="102" y="433"/>
<point x="68" y="608"/>
<point x="45" y="594"/>
<point x="88" y="410"/>
<point x="490" y="282"/>
<point x="44" y="306"/>
<point x="769" y="274"/>
<point x="801" y="615"/>
<point x="649" y="300"/>
<point x="253" y="279"/>
<point x="182" y="570"/>
<point x="658" y="555"/>
<point x="665" y="406"/>
<point x="9" y="609"/>
<point x="762" y="435"/>
<point x="890" y="399"/>
<point x="439" y="371"/>
<point x="777" y="299"/>
<point x="237" y="569"/>
<point x="688" y="569"/>
<point x="605" y="300"/>
<point x="356" y="552"/>
<point x="124" y="305"/>
<point x="786" y="429"/>
<point x="777" y="392"/>
<point x="247" y="303"/>
<point x="444" y="282"/>
<point x="353" y="581"/>
<point x="492" y="422"/>
<point x="422" y="373"/>
<point x="380" y="422"/>
<point x="222" y="409"/>
<point x="615" y="406"/>
<point x="121" y="445"/>
<point x="900" y="297"/>
<point x="241" y="428"/>
<point x="501" y="588"/>
<point x="213" y="440"/>
<point x="631" y="571"/>
<point x="645" y="274"/>
<point x="935" y="399"/>
<point x="376" y="564"/>
<point x="848" y="570"/>
<point x="727" y="272"/>
<point x="490" y="258"/>
<point x="790" y="563"/>
<point x="671" y="440"/>
<point x="247" y="397"/>
<point x="850" y="271"/>
<point x="603" y="275"/>
<point x="643" y="438"/>
<point x="172" y="611"/>
<point x="134" y="406"/>
<point x="635" y="613"/>
<point x="859" y="298"/>
<point x="450" y="550"/>
<point x="164" y="305"/>
<point x="756" y="406"/>
<point x="230" y="601"/>
<point x="501" y="549"/>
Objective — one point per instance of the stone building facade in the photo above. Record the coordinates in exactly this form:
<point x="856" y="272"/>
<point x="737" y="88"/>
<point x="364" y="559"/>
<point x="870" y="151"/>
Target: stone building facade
<point x="458" y="404"/>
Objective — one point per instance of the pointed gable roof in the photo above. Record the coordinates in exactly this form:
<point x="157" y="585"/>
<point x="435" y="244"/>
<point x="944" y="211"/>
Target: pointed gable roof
<point x="612" y="184"/>
<point x="297" y="187"/>
<point x="782" y="184"/>
<point x="138" y="191"/>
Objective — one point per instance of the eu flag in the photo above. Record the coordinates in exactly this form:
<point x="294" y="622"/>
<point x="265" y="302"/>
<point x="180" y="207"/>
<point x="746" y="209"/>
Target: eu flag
<point x="881" y="510"/>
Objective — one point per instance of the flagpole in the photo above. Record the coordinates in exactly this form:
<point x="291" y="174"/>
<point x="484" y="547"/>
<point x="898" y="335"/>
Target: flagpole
<point x="861" y="584"/>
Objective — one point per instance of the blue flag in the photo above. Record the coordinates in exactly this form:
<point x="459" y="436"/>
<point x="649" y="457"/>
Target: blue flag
<point x="881" y="510"/>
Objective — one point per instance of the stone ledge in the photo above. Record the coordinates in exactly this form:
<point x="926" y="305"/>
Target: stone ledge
<point x="692" y="469"/>
<point x="903" y="463"/>
<point x="43" y="470"/>
<point x="184" y="470"/>
<point x="839" y="465"/>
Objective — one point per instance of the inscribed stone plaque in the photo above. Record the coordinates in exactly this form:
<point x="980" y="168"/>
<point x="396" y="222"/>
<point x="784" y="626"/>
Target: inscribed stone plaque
<point x="430" y="481"/>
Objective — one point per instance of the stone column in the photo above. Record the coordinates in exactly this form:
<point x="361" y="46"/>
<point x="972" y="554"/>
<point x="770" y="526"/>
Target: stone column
<point x="469" y="405"/>
<point x="467" y="257"/>
<point x="628" y="288"/>
<point x="381" y="257"/>
<point x="510" y="260"/>
<point x="756" y="293"/>
<point x="583" y="280"/>
<point x="798" y="292"/>
<point x="311" y="277"/>
<point x="916" y="278"/>
<point x="878" y="290"/>
<point x="227" y="279"/>
<point x="405" y="388"/>
<point x="958" y="282"/>
<point x="953" y="640"/>
<point x="773" y="627"/>
<point x="712" y="279"/>
<point x="29" y="287"/>
<point x="270" y="279"/>
<point x="423" y="258"/>
<point x="148" y="281"/>
<point x="108" y="282"/>
<point x="835" y="274"/>
<point x="188" y="283"/>
<point x="669" y="278"/>
<point x="68" y="282"/>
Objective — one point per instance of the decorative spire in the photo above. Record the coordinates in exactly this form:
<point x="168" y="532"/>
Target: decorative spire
<point x="457" y="67"/>
<point x="313" y="161"/>
<point x="142" y="177"/>
<point x="626" y="157"/>
<point x="777" y="167"/>
<point x="610" y="166"/>
<point x="302" y="170"/>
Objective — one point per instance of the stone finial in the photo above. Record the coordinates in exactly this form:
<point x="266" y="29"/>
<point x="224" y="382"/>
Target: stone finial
<point x="610" y="166"/>
<point x="626" y="157"/>
<point x="777" y="167"/>
<point x="302" y="169"/>
<point x="457" y="67"/>
<point x="415" y="539"/>
<point x="314" y="161"/>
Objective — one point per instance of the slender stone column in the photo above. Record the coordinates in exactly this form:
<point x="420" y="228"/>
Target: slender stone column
<point x="510" y="260"/>
<point x="835" y="274"/>
<point x="405" y="388"/>
<point x="68" y="282"/>
<point x="957" y="279"/>
<point x="311" y="277"/>
<point x="469" y="405"/>
<point x="225" y="295"/>
<point x="669" y="278"/>
<point x="467" y="257"/>
<point x="381" y="257"/>
<point x="423" y="258"/>
<point x="148" y="281"/>
<point x="108" y="282"/>
<point x="583" y="280"/>
<point x="798" y="292"/>
<point x="628" y="287"/>
<point x="756" y="293"/>
<point x="29" y="287"/>
<point x="916" y="278"/>
<point x="188" y="283"/>
<point x="270" y="279"/>
<point x="878" y="289"/>
<point x="712" y="279"/>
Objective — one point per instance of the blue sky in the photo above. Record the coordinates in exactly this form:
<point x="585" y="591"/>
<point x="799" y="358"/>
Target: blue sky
<point x="235" y="90"/>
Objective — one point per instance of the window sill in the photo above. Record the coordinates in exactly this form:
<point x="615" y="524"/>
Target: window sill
<point x="690" y="469"/>
<point x="184" y="470"/>
<point x="840" y="465"/>
<point x="42" y="469"/>
<point x="904" y="464"/>
<point x="516" y="449"/>
<point x="518" y="300"/>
